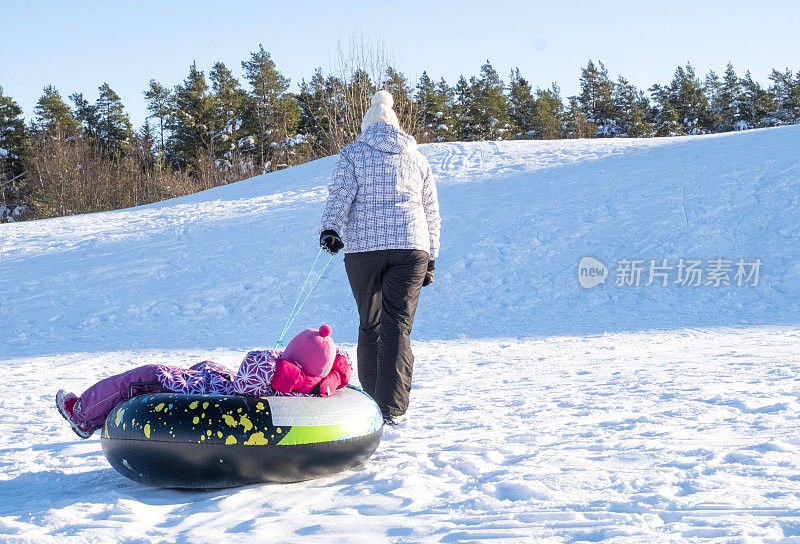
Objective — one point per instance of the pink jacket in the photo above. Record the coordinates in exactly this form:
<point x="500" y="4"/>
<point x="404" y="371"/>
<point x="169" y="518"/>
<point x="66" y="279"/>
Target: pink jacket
<point x="289" y="377"/>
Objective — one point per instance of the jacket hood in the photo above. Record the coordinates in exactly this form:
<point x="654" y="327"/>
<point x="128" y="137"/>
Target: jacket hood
<point x="387" y="138"/>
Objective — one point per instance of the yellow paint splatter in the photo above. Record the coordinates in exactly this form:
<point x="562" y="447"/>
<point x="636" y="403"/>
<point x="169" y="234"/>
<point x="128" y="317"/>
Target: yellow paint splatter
<point x="159" y="407"/>
<point x="245" y="422"/>
<point x="203" y="437"/>
<point x="147" y="430"/>
<point x="257" y="439"/>
<point x="196" y="420"/>
<point x="260" y="406"/>
<point x="239" y="410"/>
<point x="229" y="420"/>
<point x="278" y="430"/>
<point x="194" y="404"/>
<point x="219" y="434"/>
<point x="118" y="420"/>
<point x="205" y="405"/>
<point x="133" y="423"/>
<point x="208" y="432"/>
<point x="203" y="415"/>
<point x="230" y="440"/>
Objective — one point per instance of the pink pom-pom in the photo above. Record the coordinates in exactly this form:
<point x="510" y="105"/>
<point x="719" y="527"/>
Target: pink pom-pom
<point x="324" y="331"/>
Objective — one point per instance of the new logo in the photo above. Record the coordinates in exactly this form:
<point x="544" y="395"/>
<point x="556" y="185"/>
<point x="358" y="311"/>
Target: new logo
<point x="591" y="272"/>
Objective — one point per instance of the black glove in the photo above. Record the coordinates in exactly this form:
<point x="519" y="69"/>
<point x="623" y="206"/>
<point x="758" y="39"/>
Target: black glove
<point x="329" y="239"/>
<point x="428" y="275"/>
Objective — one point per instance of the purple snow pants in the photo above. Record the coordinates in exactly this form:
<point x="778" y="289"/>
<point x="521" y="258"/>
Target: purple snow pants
<point x="100" y="399"/>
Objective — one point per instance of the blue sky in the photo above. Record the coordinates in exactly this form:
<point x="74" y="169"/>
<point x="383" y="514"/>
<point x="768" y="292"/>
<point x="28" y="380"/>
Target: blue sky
<point x="79" y="45"/>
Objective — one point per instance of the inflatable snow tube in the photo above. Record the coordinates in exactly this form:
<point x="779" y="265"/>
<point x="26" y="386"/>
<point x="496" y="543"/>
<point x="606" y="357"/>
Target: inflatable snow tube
<point x="213" y="441"/>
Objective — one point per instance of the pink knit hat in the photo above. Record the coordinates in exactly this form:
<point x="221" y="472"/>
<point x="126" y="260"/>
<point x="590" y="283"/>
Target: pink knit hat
<point x="313" y="350"/>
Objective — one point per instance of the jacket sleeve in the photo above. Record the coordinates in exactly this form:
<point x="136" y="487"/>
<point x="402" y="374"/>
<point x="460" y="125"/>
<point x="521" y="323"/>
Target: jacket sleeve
<point x="337" y="378"/>
<point x="430" y="202"/>
<point x="330" y="384"/>
<point x="342" y="191"/>
<point x="287" y="376"/>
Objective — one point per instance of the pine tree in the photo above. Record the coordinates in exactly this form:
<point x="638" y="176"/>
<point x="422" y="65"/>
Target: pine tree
<point x="192" y="120"/>
<point x="143" y="146"/>
<point x="795" y="99"/>
<point x="14" y="143"/>
<point x="576" y="125"/>
<point x="730" y="100"/>
<point x="758" y="106"/>
<point x="689" y="101"/>
<point x="548" y="114"/>
<point x="315" y="120"/>
<point x="447" y="130"/>
<point x="114" y="126"/>
<point x="521" y="105"/>
<point x="669" y="121"/>
<point x="227" y="112"/>
<point x="665" y="117"/>
<point x="270" y="114"/>
<point x="787" y="95"/>
<point x="712" y="87"/>
<point x="426" y="91"/>
<point x="404" y="106"/>
<point x="294" y="148"/>
<point x="331" y="110"/>
<point x="597" y="100"/>
<point x="631" y="107"/>
<point x="489" y="107"/>
<point x="53" y="116"/>
<point x="87" y="114"/>
<point x="160" y="104"/>
<point x="434" y="102"/>
<point x="466" y="125"/>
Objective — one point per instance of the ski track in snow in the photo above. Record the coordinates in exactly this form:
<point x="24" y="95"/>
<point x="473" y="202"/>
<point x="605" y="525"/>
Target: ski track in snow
<point x="542" y="412"/>
<point x="633" y="437"/>
<point x="451" y="162"/>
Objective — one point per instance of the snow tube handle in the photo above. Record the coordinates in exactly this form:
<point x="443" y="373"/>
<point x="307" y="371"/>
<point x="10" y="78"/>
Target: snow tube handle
<point x="149" y="385"/>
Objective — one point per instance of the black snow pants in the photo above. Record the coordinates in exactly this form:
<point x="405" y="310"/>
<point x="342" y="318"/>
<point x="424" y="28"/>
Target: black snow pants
<point x="386" y="285"/>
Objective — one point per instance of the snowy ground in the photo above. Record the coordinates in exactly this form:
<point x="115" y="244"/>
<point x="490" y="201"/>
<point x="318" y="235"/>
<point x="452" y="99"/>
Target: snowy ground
<point x="627" y="437"/>
<point x="543" y="411"/>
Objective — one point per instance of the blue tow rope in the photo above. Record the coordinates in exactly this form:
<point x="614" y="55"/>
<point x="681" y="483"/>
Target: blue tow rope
<point x="296" y="309"/>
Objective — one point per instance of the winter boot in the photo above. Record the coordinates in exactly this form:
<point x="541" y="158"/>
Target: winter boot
<point x="65" y="402"/>
<point x="395" y="420"/>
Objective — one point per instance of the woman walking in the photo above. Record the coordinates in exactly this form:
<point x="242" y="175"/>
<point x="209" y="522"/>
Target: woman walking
<point x="383" y="210"/>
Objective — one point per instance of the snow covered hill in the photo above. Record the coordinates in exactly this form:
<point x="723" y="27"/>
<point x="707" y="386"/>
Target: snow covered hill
<point x="222" y="267"/>
<point x="544" y="411"/>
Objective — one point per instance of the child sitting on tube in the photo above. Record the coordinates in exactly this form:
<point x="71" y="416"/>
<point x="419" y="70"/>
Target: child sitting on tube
<point x="311" y="365"/>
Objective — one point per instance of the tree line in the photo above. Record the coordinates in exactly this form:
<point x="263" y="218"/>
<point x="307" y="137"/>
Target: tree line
<point x="80" y="156"/>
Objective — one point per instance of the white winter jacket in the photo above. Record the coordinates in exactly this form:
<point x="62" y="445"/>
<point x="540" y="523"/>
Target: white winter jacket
<point x="382" y="194"/>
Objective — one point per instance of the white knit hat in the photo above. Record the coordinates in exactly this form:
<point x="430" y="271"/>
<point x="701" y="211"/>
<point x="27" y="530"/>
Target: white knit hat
<point x="381" y="110"/>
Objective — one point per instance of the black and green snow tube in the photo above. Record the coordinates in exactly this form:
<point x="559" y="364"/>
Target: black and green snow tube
<point x="213" y="441"/>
